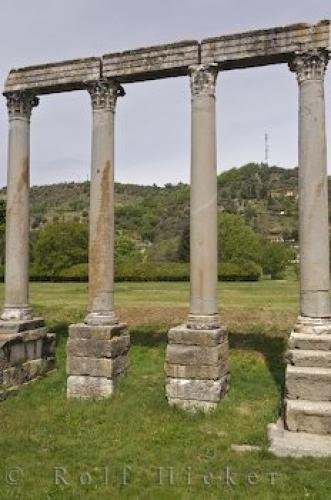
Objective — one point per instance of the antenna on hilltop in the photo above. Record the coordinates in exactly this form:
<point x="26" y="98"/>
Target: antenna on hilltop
<point x="266" y="148"/>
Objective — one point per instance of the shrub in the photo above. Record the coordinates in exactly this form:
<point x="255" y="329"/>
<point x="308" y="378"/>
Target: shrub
<point x="59" y="246"/>
<point x="159" y="271"/>
<point x="239" y="271"/>
<point x="275" y="258"/>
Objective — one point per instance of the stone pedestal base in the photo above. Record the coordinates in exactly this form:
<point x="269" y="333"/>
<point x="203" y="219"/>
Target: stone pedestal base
<point x="307" y="403"/>
<point x="196" y="367"/>
<point x="96" y="357"/>
<point x="27" y="351"/>
<point x="284" y="443"/>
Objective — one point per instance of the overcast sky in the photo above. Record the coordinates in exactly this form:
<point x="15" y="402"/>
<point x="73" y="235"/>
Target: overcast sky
<point x="153" y="119"/>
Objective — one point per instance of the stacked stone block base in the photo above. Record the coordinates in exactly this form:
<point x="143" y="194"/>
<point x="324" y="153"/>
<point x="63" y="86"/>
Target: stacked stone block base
<point x="307" y="403"/>
<point x="97" y="356"/>
<point x="196" y="368"/>
<point x="27" y="352"/>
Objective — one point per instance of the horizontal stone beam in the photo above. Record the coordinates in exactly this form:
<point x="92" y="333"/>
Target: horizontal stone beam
<point x="151" y="62"/>
<point x="54" y="77"/>
<point x="253" y="48"/>
<point x="263" y="47"/>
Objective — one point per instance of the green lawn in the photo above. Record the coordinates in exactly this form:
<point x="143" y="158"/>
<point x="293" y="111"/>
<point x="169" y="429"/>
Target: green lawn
<point x="115" y="448"/>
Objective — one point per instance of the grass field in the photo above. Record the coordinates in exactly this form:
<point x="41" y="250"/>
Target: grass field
<point x="135" y="445"/>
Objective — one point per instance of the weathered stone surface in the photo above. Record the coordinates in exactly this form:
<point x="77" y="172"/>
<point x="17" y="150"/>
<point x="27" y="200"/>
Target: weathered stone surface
<point x="49" y="345"/>
<point x="21" y="326"/>
<point x="300" y="357"/>
<point x="312" y="326"/>
<point x="183" y="335"/>
<point x="98" y="348"/>
<point x="147" y="63"/>
<point x="308" y="383"/>
<point x="310" y="342"/>
<point x="97" y="367"/>
<point x="201" y="390"/>
<point x="197" y="371"/>
<point x="84" y="331"/>
<point x="84" y="387"/>
<point x="308" y="416"/>
<point x="285" y="443"/>
<point x="193" y="405"/>
<point x="17" y="353"/>
<point x="261" y="47"/>
<point x="196" y="355"/>
<point x="55" y="77"/>
<point x="25" y="372"/>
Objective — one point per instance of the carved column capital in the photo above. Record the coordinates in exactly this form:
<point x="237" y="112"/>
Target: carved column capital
<point x="20" y="104"/>
<point x="104" y="94"/>
<point x="203" y="79"/>
<point x="309" y="65"/>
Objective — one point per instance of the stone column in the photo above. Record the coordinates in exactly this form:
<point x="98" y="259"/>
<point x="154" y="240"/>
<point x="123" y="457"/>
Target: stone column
<point x="102" y="232"/>
<point x="197" y="354"/>
<point x="313" y="186"/>
<point x="203" y="206"/>
<point x="97" y="350"/>
<point x="307" y="408"/>
<point x="27" y="351"/>
<point x="18" y="213"/>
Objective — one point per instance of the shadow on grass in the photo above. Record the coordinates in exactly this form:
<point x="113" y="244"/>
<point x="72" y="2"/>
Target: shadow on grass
<point x="272" y="348"/>
<point x="60" y="329"/>
<point x="148" y="336"/>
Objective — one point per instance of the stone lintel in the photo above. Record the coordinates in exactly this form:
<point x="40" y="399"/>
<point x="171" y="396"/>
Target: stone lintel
<point x="150" y="63"/>
<point x="239" y="50"/>
<point x="267" y="46"/>
<point x="54" y="77"/>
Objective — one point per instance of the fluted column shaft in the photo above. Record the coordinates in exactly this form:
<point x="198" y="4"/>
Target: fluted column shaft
<point x="101" y="239"/>
<point x="203" y="207"/>
<point x="18" y="214"/>
<point x="313" y="186"/>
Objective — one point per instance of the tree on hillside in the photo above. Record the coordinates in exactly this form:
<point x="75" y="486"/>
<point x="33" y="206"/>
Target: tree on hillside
<point x="237" y="240"/>
<point x="59" y="246"/>
<point x="275" y="258"/>
<point x="184" y="244"/>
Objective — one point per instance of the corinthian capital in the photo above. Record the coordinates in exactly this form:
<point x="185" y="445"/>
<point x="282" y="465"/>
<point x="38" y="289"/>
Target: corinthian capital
<point x="203" y="79"/>
<point x="20" y="104"/>
<point x="104" y="94"/>
<point x="309" y="65"/>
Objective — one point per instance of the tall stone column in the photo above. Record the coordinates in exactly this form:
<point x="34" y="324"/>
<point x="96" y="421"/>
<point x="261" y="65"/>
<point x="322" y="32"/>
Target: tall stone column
<point x="101" y="247"/>
<point x="307" y="405"/>
<point x="97" y="349"/>
<point x="18" y="212"/>
<point x="27" y="351"/>
<point x="203" y="206"/>
<point x="197" y="353"/>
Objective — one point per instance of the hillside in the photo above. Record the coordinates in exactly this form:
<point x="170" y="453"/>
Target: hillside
<point x="155" y="217"/>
